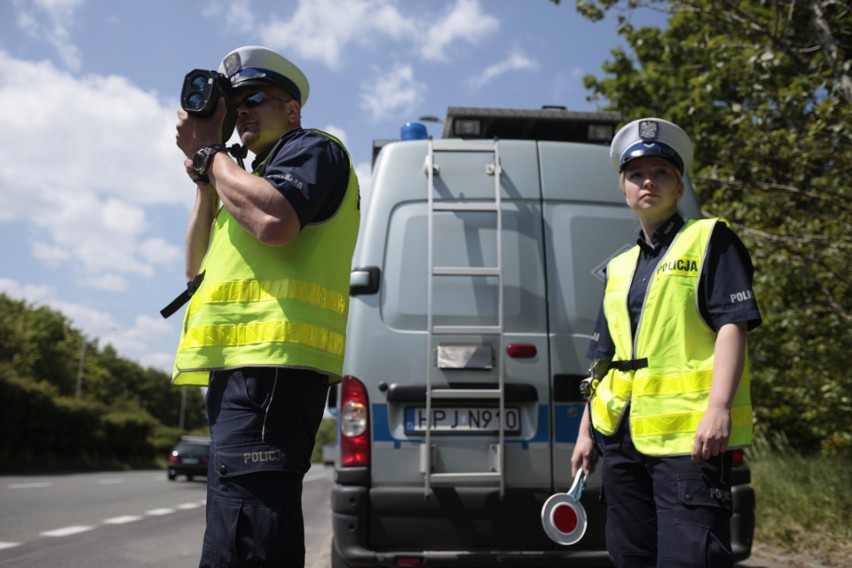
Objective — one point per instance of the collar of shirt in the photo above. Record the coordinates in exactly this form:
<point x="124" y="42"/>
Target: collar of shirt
<point x="663" y="236"/>
<point x="283" y="140"/>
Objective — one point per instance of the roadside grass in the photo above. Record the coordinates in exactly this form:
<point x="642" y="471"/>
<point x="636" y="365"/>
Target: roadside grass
<point x="803" y="502"/>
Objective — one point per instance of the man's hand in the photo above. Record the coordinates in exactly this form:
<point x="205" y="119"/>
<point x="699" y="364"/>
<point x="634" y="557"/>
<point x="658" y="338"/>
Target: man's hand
<point x="194" y="133"/>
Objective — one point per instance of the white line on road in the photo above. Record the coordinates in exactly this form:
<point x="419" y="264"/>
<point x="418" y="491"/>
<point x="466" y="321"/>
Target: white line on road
<point x="67" y="531"/>
<point x="110" y="481"/>
<point x="188" y="506"/>
<point x="123" y="520"/>
<point x="5" y="545"/>
<point x="30" y="485"/>
<point x="158" y="512"/>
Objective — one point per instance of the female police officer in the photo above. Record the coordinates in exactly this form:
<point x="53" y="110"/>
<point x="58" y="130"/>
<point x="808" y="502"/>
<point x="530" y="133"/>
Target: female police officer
<point x="671" y="392"/>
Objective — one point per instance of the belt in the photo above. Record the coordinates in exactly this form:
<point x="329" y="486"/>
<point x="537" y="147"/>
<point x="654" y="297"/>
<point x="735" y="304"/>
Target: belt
<point x="630" y="364"/>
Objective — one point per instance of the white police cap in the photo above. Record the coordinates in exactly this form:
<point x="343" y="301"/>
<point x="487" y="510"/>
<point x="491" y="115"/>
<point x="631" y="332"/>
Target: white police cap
<point x="651" y="137"/>
<point x="257" y="65"/>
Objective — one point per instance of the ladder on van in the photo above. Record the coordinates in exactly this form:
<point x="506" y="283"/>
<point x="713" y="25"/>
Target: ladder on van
<point x="495" y="474"/>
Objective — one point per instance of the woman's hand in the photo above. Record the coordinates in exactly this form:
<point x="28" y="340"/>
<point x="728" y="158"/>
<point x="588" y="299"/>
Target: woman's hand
<point x="584" y="448"/>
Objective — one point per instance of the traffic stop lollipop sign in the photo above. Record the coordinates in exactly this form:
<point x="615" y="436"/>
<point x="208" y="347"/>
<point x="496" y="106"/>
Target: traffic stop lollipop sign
<point x="563" y="516"/>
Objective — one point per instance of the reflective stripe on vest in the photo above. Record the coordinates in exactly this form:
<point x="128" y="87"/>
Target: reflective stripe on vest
<point x="261" y="305"/>
<point x="669" y="396"/>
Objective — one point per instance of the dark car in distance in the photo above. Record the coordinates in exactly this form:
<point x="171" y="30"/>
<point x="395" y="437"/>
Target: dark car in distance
<point x="189" y="457"/>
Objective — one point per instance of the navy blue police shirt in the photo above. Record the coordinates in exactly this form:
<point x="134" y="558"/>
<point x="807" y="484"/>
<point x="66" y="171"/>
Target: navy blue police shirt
<point x="725" y="292"/>
<point x="311" y="171"/>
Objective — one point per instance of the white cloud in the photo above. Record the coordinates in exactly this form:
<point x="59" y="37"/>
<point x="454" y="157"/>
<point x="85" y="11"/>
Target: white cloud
<point x="135" y="342"/>
<point x="396" y="92"/>
<point x="338" y="133"/>
<point x="91" y="156"/>
<point x="465" y="21"/>
<point x="320" y="30"/>
<point x="27" y="292"/>
<point x="237" y="14"/>
<point x="132" y="343"/>
<point x="515" y="61"/>
<point x="51" y="20"/>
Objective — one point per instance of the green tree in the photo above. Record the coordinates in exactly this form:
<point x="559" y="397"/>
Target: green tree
<point x="764" y="89"/>
<point x="124" y="409"/>
<point x="39" y="344"/>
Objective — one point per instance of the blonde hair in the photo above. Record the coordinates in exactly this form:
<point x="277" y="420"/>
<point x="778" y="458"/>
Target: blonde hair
<point x="677" y="174"/>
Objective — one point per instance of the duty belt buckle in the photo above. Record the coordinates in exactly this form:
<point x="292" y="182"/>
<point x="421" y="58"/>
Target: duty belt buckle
<point x="586" y="389"/>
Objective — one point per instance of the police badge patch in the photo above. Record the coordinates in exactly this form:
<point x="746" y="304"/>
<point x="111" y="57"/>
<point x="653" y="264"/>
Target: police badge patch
<point x="648" y="130"/>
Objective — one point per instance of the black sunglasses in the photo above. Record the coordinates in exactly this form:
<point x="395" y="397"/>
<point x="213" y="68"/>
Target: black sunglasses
<point x="256" y="99"/>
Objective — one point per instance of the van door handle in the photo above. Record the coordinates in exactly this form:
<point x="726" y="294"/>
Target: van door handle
<point x="566" y="387"/>
<point x="364" y="280"/>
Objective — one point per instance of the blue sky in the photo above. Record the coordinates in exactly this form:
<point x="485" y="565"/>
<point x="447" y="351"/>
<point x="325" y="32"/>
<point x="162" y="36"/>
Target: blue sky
<point x="93" y="195"/>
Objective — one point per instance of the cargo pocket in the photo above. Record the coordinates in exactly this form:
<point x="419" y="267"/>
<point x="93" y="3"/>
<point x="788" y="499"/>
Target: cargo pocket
<point x="252" y="535"/>
<point x="255" y="517"/>
<point x="244" y="459"/>
<point x="698" y="534"/>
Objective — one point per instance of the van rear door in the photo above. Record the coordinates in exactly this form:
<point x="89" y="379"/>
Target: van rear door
<point x="586" y="223"/>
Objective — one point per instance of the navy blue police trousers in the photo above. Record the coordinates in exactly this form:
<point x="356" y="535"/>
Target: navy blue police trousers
<point x="665" y="511"/>
<point x="263" y="423"/>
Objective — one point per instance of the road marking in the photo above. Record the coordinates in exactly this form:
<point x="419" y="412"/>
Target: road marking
<point x="30" y="485"/>
<point x="314" y="474"/>
<point x="187" y="506"/>
<point x="123" y="520"/>
<point x="158" y="512"/>
<point x="67" y="531"/>
<point x="5" y="545"/>
<point x="110" y="481"/>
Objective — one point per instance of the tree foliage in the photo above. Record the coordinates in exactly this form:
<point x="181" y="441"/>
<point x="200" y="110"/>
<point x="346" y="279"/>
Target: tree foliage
<point x="765" y="89"/>
<point x="122" y="406"/>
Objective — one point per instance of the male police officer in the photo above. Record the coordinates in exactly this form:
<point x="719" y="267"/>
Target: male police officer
<point x="673" y="392"/>
<point x="265" y="329"/>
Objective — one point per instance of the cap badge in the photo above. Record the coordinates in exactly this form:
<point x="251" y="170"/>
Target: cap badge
<point x="648" y="130"/>
<point x="232" y="64"/>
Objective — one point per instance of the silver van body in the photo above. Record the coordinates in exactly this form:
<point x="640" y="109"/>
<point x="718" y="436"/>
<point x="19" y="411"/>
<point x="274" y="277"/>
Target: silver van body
<point x="460" y="317"/>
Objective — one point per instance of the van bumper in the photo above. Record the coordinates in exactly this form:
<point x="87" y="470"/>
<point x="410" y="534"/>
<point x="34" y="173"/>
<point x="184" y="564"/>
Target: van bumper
<point x="351" y="507"/>
<point x="362" y="541"/>
<point x="742" y="520"/>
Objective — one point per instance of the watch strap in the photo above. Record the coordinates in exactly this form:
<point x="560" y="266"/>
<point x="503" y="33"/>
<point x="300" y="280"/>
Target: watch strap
<point x="206" y="154"/>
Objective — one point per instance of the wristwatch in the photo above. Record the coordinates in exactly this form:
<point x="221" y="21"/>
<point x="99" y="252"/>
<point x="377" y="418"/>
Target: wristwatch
<point x="201" y="159"/>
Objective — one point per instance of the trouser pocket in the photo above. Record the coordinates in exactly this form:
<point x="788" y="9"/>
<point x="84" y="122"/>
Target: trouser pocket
<point x="254" y="520"/>
<point x="697" y="533"/>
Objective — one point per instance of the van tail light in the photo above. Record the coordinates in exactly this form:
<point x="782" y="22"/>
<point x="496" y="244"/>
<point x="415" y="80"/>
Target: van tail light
<point x="737" y="457"/>
<point x="354" y="423"/>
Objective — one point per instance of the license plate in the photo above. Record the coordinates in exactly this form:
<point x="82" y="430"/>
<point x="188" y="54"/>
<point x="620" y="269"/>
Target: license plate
<point x="462" y="420"/>
<point x="190" y="461"/>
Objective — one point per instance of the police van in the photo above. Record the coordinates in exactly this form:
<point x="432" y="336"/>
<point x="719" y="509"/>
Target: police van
<point x="475" y="285"/>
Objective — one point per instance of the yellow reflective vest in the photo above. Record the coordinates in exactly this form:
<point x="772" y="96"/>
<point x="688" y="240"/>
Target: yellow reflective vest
<point x="277" y="306"/>
<point x="665" y="372"/>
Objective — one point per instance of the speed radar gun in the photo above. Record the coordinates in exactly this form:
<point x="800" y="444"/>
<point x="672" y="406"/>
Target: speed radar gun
<point x="563" y="516"/>
<point x="199" y="96"/>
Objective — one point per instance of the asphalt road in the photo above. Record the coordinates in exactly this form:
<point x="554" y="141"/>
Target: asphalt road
<point x="139" y="519"/>
<point x="128" y="519"/>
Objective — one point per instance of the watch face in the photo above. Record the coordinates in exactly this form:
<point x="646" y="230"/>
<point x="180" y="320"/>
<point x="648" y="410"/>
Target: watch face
<point x="199" y="160"/>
